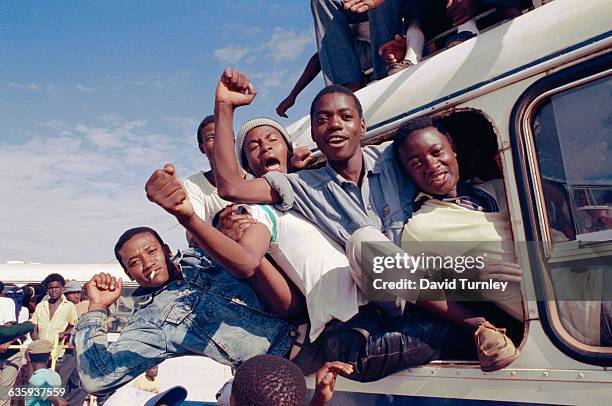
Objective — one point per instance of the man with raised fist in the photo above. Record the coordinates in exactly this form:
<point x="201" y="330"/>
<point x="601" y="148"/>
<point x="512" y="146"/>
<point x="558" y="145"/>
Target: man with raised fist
<point x="176" y="319"/>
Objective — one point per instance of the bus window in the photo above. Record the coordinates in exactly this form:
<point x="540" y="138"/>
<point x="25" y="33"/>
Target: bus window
<point x="571" y="135"/>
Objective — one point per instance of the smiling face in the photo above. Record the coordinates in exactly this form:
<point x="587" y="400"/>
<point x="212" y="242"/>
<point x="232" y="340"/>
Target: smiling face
<point x="428" y="157"/>
<point x="265" y="150"/>
<point x="144" y="260"/>
<point x="337" y="127"/>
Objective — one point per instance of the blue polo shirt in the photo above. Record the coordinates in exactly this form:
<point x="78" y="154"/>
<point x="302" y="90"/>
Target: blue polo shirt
<point x="340" y="207"/>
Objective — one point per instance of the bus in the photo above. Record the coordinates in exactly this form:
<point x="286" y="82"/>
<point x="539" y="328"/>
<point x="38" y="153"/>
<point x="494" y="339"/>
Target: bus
<point x="536" y="92"/>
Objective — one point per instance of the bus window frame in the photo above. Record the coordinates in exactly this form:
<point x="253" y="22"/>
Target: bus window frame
<point x="531" y="197"/>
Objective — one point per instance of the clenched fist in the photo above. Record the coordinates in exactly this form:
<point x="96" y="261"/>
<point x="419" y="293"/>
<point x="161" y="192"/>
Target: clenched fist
<point x="235" y="89"/>
<point x="166" y="190"/>
<point x="103" y="290"/>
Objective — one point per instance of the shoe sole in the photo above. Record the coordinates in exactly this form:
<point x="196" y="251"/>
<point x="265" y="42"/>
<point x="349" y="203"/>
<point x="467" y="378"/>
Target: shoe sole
<point x="502" y="363"/>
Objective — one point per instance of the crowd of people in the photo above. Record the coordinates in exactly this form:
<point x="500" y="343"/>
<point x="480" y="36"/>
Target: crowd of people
<point x="275" y="282"/>
<point x="274" y="264"/>
<point x="38" y="365"/>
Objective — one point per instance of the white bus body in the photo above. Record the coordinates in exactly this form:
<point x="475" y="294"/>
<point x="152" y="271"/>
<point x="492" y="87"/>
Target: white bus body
<point x="489" y="74"/>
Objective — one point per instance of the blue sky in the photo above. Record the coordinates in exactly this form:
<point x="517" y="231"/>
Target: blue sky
<point x="95" y="95"/>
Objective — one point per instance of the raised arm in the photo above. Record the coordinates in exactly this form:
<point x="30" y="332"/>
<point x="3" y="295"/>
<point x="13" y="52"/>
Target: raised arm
<point x="234" y="90"/>
<point x="245" y="259"/>
<point x="166" y="190"/>
<point x="312" y="69"/>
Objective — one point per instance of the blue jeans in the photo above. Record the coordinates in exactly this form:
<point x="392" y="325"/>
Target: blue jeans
<point x="209" y="312"/>
<point x="337" y="54"/>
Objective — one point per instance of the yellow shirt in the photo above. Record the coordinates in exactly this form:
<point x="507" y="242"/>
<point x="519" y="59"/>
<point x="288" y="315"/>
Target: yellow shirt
<point x="50" y="327"/>
<point x="445" y="228"/>
<point x="143" y="383"/>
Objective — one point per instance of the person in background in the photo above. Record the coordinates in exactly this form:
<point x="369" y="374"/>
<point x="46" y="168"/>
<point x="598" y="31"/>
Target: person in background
<point x="56" y="316"/>
<point x="201" y="187"/>
<point x="267" y="380"/>
<point x="75" y="396"/>
<point x="73" y="292"/>
<point x="10" y="331"/>
<point x="147" y="381"/>
<point x="44" y="384"/>
<point x="34" y="297"/>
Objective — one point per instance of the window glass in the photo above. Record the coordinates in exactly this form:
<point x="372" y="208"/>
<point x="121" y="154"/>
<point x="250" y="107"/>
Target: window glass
<point x="572" y="133"/>
<point x="572" y="138"/>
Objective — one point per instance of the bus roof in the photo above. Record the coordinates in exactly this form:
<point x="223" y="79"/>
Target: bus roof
<point x="510" y="52"/>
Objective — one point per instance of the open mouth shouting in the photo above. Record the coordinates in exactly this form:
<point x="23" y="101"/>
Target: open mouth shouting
<point x="272" y="164"/>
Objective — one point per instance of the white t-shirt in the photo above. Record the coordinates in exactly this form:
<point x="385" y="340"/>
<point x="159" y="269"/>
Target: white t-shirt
<point x="315" y="263"/>
<point x="203" y="197"/>
<point x="7" y="310"/>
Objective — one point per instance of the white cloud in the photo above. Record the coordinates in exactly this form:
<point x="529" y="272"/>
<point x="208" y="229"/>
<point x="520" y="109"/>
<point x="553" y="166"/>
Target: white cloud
<point x="231" y="54"/>
<point x="72" y="195"/>
<point x="83" y="88"/>
<point x="267" y="81"/>
<point x="287" y="45"/>
<point x="30" y="87"/>
<point x="283" y="46"/>
<point x="179" y="78"/>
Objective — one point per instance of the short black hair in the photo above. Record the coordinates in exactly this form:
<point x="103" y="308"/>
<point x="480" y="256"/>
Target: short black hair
<point x="54" y="277"/>
<point x="129" y="234"/>
<point x="269" y="380"/>
<point x="40" y="358"/>
<point x="1" y="286"/>
<point x="336" y="89"/>
<point x="418" y="124"/>
<point x="207" y="120"/>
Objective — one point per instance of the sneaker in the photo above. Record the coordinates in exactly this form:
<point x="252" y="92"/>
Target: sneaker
<point x="495" y="350"/>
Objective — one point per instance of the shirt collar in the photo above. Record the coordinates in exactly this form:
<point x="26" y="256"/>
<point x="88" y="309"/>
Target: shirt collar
<point x="62" y="300"/>
<point x="369" y="166"/>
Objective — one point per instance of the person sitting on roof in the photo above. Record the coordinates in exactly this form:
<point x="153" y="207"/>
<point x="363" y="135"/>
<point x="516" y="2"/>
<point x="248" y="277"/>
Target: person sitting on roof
<point x="337" y="54"/>
<point x="361" y="41"/>
<point x="426" y="18"/>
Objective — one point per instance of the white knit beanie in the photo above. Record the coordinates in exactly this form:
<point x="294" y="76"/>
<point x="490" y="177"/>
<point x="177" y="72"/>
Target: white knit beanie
<point x="254" y="123"/>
